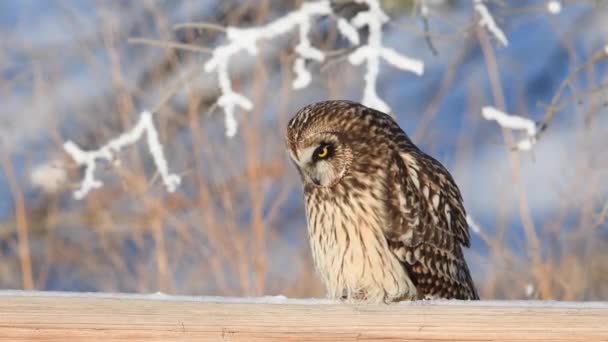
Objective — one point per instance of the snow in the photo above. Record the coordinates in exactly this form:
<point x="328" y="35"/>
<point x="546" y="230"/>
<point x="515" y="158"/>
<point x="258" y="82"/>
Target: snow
<point x="374" y="19"/>
<point x="529" y="290"/>
<point x="50" y="177"/>
<point x="349" y="31"/>
<point x="279" y="299"/>
<point x="473" y="226"/>
<point x="488" y="22"/>
<point x="514" y="122"/>
<point x="554" y="7"/>
<point x="245" y="40"/>
<point x="424" y="9"/>
<point x="300" y="301"/>
<point x="241" y="40"/>
<point x="89" y="159"/>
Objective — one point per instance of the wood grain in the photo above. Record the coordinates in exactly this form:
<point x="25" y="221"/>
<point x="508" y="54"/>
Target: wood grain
<point x="98" y="318"/>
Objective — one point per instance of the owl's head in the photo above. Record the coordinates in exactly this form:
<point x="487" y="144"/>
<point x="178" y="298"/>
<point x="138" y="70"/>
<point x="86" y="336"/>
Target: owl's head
<point x="321" y="158"/>
<point x="319" y="144"/>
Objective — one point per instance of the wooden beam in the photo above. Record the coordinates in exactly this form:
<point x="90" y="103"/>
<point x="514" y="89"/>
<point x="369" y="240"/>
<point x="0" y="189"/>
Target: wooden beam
<point x="41" y="316"/>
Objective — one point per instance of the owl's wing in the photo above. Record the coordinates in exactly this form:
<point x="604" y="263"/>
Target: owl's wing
<point x="427" y="226"/>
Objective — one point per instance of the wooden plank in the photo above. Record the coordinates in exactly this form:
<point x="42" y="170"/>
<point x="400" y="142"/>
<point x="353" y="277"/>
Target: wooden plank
<point x="61" y="317"/>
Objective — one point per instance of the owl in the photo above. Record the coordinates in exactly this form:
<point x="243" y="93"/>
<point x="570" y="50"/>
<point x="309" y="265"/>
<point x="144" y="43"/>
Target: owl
<point x="386" y="221"/>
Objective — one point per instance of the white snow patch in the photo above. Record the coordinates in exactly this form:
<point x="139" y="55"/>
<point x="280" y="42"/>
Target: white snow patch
<point x="475" y="228"/>
<point x="278" y="299"/>
<point x="349" y="31"/>
<point x="529" y="290"/>
<point x="514" y="122"/>
<point x="302" y="301"/>
<point x="245" y="40"/>
<point x="487" y="20"/>
<point x="50" y="177"/>
<point x="554" y="7"/>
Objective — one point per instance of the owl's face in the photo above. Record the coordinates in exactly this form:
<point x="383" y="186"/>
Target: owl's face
<point x="322" y="158"/>
<point x="332" y="142"/>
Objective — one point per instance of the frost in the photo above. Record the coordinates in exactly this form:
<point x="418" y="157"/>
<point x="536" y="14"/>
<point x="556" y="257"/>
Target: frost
<point x="473" y="226"/>
<point x="514" y="122"/>
<point x="488" y="22"/>
<point x="554" y="7"/>
<point x="529" y="290"/>
<point x="374" y="19"/>
<point x="108" y="152"/>
<point x="160" y="296"/>
<point x="282" y="300"/>
<point x="424" y="9"/>
<point x="349" y="31"/>
<point x="245" y="40"/>
<point x="50" y="177"/>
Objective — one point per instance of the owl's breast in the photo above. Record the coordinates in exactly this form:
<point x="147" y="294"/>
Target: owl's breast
<point x="350" y="251"/>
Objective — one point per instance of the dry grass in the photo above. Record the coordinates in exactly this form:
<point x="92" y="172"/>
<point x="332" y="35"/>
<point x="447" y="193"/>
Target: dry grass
<point x="236" y="227"/>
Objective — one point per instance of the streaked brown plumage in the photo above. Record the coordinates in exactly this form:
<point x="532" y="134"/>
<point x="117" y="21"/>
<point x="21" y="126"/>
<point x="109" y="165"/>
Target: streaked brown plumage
<point x="386" y="222"/>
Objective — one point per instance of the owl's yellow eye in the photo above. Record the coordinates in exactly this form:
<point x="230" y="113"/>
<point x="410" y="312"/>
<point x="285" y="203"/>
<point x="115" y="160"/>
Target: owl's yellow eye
<point x="324" y="152"/>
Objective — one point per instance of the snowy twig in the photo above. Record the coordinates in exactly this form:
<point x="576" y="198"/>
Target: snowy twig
<point x="534" y="130"/>
<point x="530" y="289"/>
<point x="89" y="159"/>
<point x="601" y="218"/>
<point x="554" y="6"/>
<point x="513" y="122"/>
<point x="486" y="20"/>
<point x="49" y="177"/>
<point x="476" y="229"/>
<point x="245" y="40"/>
<point x="240" y="40"/>
<point x="473" y="226"/>
<point x="374" y="18"/>
<point x="424" y="14"/>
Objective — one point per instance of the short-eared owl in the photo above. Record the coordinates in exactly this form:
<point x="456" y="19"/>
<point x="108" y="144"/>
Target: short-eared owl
<point x="386" y="221"/>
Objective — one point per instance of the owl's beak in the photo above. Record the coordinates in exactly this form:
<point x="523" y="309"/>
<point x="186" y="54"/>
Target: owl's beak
<point x="308" y="176"/>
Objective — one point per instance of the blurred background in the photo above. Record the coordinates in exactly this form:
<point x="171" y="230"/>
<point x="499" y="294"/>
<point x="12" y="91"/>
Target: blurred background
<point x="84" y="70"/>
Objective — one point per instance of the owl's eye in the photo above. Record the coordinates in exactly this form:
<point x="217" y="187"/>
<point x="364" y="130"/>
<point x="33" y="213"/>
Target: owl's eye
<point x="323" y="152"/>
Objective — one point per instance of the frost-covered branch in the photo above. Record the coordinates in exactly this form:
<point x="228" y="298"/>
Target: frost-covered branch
<point x="49" y="177"/>
<point x="554" y="6"/>
<point x="473" y="226"/>
<point x="240" y="40"/>
<point x="534" y="130"/>
<point x="246" y="39"/>
<point x="487" y="20"/>
<point x="89" y="159"/>
<point x="424" y="14"/>
<point x="476" y="229"/>
<point x="374" y="18"/>
<point x="514" y="122"/>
